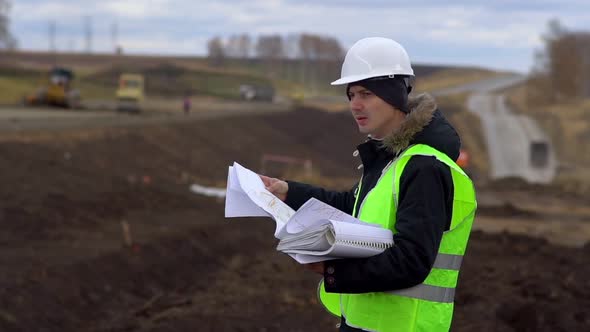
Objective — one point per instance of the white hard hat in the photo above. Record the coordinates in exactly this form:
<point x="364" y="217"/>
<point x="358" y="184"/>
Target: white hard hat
<point x="374" y="57"/>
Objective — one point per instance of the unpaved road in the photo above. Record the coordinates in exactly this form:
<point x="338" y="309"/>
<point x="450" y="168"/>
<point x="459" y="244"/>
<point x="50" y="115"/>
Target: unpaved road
<point x="517" y="147"/>
<point x="511" y="141"/>
<point x="17" y="118"/>
<point x="483" y="86"/>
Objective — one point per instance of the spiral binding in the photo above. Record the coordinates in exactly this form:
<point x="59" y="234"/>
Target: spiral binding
<point x="374" y="245"/>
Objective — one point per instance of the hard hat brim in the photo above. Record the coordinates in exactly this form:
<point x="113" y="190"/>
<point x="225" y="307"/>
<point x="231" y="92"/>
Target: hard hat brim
<point x="356" y="78"/>
<point x="350" y="79"/>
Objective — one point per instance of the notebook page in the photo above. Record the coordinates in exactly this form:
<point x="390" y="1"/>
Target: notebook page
<point x="252" y="185"/>
<point x="314" y="213"/>
<point x="237" y="203"/>
<point x="307" y="259"/>
<point x="314" y="239"/>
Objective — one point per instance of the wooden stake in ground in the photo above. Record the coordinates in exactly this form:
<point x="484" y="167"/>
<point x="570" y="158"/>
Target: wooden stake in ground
<point x="126" y="233"/>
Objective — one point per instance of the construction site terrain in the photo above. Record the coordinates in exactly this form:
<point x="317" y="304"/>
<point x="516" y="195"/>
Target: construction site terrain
<point x="100" y="232"/>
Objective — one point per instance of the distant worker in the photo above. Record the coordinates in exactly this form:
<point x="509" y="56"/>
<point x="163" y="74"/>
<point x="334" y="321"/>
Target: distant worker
<point x="411" y="185"/>
<point x="186" y="104"/>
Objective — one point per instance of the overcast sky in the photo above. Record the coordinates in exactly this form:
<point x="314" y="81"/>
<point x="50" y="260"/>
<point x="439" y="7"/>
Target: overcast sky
<point x="499" y="34"/>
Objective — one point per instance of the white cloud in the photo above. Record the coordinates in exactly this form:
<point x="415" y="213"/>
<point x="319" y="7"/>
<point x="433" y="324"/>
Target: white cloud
<point x="512" y="36"/>
<point x="33" y="12"/>
<point x="162" y="44"/>
<point x="138" y="9"/>
<point x="454" y="24"/>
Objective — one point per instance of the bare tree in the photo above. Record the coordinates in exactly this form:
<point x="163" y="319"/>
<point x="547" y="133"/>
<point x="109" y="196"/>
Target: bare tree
<point x="245" y="46"/>
<point x="291" y="46"/>
<point x="331" y="49"/>
<point x="562" y="70"/>
<point x="271" y="50"/>
<point x="313" y="47"/>
<point x="270" y="47"/>
<point x="7" y="41"/>
<point x="319" y="56"/>
<point x="306" y="46"/>
<point x="232" y="47"/>
<point x="238" y="46"/>
<point x="560" y="50"/>
<point x="216" y="51"/>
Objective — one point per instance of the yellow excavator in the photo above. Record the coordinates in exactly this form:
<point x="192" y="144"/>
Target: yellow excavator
<point x="57" y="92"/>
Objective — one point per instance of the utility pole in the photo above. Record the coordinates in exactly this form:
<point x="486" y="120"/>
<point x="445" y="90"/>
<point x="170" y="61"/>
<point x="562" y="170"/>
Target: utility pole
<point x="88" y="33"/>
<point x="52" y="36"/>
<point x="115" y="36"/>
<point x="52" y="46"/>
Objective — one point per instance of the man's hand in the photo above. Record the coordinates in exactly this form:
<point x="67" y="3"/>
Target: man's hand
<point x="317" y="267"/>
<point x="277" y="187"/>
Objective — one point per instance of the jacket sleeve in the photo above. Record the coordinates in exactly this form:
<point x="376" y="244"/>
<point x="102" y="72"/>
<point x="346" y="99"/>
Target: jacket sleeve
<point x="299" y="193"/>
<point x="423" y="214"/>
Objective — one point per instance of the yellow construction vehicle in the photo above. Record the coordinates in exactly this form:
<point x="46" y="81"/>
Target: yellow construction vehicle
<point x="57" y="92"/>
<point x="130" y="93"/>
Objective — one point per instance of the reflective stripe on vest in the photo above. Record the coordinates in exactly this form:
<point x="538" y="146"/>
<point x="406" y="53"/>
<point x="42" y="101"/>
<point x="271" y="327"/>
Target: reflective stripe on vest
<point x="427" y="293"/>
<point x="448" y="262"/>
<point x="434" y="293"/>
<point x="427" y="306"/>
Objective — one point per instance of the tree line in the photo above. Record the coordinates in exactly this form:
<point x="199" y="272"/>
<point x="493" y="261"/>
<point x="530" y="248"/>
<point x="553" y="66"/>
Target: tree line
<point x="309" y="59"/>
<point x="301" y="46"/>
<point x="562" y="68"/>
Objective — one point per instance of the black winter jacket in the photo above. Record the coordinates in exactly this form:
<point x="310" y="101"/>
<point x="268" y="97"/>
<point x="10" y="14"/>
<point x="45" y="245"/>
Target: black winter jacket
<point x="424" y="209"/>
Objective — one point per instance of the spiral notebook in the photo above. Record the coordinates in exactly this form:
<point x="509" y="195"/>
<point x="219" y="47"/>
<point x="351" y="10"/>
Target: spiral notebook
<point x="337" y="239"/>
<point x="313" y="233"/>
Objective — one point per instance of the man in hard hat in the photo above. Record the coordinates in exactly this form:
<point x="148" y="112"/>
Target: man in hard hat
<point x="410" y="184"/>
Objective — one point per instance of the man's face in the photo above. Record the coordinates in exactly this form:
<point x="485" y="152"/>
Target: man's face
<point x="372" y="114"/>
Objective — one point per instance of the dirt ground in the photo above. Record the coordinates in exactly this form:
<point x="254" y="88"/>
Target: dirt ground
<point x="68" y="195"/>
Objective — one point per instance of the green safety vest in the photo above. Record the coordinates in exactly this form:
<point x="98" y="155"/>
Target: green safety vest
<point x="429" y="305"/>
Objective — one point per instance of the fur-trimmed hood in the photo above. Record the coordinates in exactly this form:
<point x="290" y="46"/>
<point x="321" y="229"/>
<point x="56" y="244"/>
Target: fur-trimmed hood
<point x="424" y="124"/>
